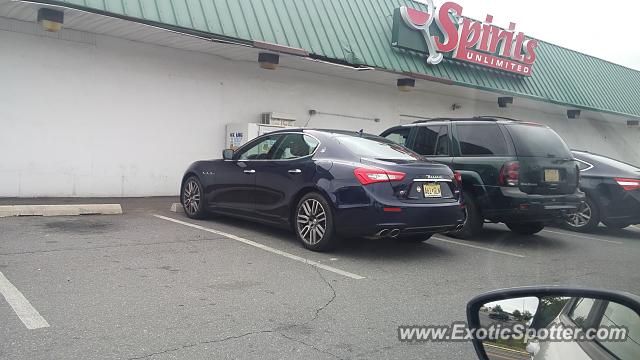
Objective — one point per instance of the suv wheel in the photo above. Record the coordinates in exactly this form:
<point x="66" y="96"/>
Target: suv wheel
<point x="313" y="223"/>
<point x="526" y="228"/>
<point x="473" y="222"/>
<point x="585" y="219"/>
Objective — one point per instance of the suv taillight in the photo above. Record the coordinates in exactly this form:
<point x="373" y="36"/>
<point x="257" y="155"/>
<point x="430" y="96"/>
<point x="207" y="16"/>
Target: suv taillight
<point x="510" y="174"/>
<point x="368" y="176"/>
<point x="457" y="176"/>
<point x="628" y="184"/>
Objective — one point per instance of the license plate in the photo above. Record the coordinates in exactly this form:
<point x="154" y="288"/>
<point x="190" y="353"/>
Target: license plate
<point x="551" y="175"/>
<point x="432" y="190"/>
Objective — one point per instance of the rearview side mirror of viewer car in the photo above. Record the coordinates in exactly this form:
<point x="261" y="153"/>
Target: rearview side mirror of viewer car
<point x="552" y="322"/>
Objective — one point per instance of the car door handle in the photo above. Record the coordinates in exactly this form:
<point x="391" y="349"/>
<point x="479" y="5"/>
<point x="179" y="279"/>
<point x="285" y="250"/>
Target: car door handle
<point x="295" y="171"/>
<point x="249" y="171"/>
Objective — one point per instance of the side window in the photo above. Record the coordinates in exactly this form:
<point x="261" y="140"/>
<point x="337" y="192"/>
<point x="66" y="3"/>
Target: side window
<point x="618" y="315"/>
<point x="260" y="150"/>
<point x="481" y="140"/>
<point x="584" y="166"/>
<point x="580" y="311"/>
<point x="427" y="140"/>
<point x="433" y="141"/>
<point x="295" y="146"/>
<point x="399" y="136"/>
<point x="444" y="143"/>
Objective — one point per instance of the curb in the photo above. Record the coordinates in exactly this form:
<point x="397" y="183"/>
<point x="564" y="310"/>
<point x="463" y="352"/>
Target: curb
<point x="60" y="210"/>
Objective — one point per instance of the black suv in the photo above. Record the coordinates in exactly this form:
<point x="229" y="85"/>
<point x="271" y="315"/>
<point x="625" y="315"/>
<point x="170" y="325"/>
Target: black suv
<point x="516" y="172"/>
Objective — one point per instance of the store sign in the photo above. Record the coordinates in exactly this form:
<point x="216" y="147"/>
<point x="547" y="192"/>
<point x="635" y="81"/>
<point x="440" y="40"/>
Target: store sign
<point x="444" y="32"/>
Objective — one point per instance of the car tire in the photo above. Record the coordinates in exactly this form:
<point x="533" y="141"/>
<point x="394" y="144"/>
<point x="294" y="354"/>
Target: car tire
<point x="473" y="222"/>
<point x="616" y="225"/>
<point x="191" y="198"/>
<point x="313" y="223"/>
<point x="415" y="239"/>
<point x="528" y="228"/>
<point x="586" y="218"/>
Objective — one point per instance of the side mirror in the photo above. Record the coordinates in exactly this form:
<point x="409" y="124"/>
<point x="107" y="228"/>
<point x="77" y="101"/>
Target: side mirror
<point x="554" y="322"/>
<point x="227" y="154"/>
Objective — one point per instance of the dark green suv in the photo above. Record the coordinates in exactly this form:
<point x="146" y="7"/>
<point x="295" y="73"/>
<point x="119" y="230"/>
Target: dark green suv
<point x="515" y="172"/>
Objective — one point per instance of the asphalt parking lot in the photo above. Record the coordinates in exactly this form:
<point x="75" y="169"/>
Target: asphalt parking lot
<point x="151" y="284"/>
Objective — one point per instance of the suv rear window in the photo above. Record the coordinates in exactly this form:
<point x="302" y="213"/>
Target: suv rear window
<point x="538" y="141"/>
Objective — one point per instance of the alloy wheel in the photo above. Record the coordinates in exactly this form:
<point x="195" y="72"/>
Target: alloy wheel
<point x="581" y="217"/>
<point x="311" y="220"/>
<point x="191" y="197"/>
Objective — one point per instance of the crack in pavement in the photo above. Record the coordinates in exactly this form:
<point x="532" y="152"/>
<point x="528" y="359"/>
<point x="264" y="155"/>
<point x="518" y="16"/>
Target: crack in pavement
<point x="333" y="297"/>
<point x="216" y="341"/>
<point x="310" y="346"/>
<point x="278" y="330"/>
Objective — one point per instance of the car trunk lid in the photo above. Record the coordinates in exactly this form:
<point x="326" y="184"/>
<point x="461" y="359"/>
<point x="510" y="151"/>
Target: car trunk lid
<point x="423" y="181"/>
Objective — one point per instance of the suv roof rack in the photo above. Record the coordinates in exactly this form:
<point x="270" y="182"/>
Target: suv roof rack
<point x="476" y="118"/>
<point x="496" y="117"/>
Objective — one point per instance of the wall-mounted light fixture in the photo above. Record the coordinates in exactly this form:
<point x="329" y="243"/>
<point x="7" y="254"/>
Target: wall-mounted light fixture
<point x="633" y="123"/>
<point x="50" y="20"/>
<point x="503" y="102"/>
<point x="573" y="114"/>
<point x="406" y="84"/>
<point x="268" y="61"/>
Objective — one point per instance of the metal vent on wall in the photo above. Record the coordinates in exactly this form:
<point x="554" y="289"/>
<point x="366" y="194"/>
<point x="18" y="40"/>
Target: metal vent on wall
<point x="277" y="119"/>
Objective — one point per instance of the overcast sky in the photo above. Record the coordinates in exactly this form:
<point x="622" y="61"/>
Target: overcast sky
<point x="586" y="26"/>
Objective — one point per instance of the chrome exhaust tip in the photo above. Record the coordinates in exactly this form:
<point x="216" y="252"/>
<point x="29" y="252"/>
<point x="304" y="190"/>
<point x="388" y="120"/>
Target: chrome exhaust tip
<point x="394" y="233"/>
<point x="383" y="233"/>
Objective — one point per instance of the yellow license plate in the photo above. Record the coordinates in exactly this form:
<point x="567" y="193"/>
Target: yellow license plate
<point x="551" y="175"/>
<point x="432" y="190"/>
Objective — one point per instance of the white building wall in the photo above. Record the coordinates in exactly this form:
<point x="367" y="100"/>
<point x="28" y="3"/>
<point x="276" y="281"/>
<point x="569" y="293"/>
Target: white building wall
<point x="120" y="118"/>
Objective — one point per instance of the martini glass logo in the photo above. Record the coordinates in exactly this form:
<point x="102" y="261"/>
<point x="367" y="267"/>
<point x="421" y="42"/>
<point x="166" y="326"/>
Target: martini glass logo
<point x="421" y="21"/>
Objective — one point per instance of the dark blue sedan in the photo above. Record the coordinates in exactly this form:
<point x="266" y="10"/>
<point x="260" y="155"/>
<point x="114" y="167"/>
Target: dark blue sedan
<point x="612" y="191"/>
<point x="326" y="184"/>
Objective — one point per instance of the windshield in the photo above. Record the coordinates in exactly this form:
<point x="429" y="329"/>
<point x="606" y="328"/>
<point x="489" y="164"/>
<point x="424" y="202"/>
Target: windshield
<point x="538" y="141"/>
<point x="377" y="148"/>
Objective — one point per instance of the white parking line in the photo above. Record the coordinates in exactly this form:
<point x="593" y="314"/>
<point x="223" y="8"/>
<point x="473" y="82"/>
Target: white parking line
<point x="29" y="316"/>
<point x="478" y="247"/>
<point x="584" y="237"/>
<point x="266" y="248"/>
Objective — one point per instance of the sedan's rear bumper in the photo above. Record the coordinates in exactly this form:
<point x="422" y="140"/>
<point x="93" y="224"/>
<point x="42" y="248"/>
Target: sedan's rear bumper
<point x="410" y="219"/>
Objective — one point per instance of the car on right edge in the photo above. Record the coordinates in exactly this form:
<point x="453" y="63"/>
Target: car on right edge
<point x="515" y="172"/>
<point x="612" y="188"/>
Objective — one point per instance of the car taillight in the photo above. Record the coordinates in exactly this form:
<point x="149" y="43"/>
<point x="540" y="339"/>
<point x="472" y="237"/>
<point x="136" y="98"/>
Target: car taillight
<point x="628" y="184"/>
<point x="510" y="174"/>
<point x="368" y="176"/>
<point x="457" y="176"/>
